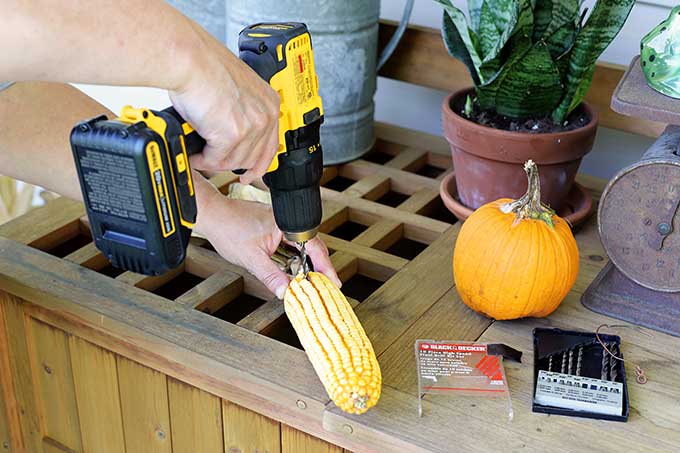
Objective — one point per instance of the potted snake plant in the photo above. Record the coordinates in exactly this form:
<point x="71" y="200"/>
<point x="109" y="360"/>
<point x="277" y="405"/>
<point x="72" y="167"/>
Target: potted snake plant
<point x="531" y="62"/>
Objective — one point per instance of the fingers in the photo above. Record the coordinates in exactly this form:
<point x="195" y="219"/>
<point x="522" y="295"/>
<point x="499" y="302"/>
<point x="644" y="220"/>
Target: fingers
<point x="266" y="271"/>
<point x="318" y="253"/>
<point x="265" y="159"/>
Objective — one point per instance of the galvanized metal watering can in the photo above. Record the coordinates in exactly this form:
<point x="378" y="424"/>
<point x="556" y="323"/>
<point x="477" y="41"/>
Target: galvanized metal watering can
<point x="345" y="36"/>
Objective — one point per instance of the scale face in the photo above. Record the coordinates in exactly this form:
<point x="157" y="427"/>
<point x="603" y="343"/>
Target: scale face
<point x="639" y="222"/>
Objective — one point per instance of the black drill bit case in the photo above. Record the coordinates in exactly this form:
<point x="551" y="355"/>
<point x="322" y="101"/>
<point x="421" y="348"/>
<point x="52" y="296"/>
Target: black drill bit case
<point x="549" y="341"/>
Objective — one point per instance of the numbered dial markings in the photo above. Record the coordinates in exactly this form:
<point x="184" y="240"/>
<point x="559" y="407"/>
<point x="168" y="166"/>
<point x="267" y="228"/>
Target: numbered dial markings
<point x="640" y="224"/>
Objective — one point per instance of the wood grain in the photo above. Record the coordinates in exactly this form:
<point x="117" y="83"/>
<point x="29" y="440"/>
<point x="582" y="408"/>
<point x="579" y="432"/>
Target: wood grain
<point x="248" y="431"/>
<point x="294" y="441"/>
<point x="214" y="292"/>
<point x="4" y="428"/>
<point x="96" y="384"/>
<point x="18" y="376"/>
<point x="196" y="419"/>
<point x="400" y="301"/>
<point x="422" y="59"/>
<point x="46" y="226"/>
<point x="144" y="407"/>
<point x="51" y="363"/>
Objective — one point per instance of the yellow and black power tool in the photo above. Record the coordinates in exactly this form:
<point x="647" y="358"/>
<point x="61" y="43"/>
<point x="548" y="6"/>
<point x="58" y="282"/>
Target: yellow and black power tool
<point x="134" y="170"/>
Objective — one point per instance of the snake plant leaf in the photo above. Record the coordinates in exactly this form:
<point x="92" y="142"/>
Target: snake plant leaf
<point x="602" y="26"/>
<point x="489" y="32"/>
<point x="486" y="92"/>
<point x="552" y="15"/>
<point x="474" y="9"/>
<point x="497" y="21"/>
<point x="531" y="87"/>
<point x="457" y="48"/>
<point x="542" y="17"/>
<point x="513" y="41"/>
<point x="557" y="23"/>
<point x="562" y="40"/>
<point x="460" y="40"/>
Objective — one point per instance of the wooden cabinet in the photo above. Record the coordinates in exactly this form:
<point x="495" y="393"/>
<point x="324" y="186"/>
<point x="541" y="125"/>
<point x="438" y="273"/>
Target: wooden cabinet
<point x="75" y="396"/>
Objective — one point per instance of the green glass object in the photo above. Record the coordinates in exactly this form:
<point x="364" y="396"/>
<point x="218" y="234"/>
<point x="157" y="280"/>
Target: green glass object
<point x="660" y="55"/>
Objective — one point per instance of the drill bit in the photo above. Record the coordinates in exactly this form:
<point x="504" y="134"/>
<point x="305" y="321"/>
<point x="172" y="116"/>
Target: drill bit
<point x="613" y="364"/>
<point x="303" y="256"/>
<point x="550" y="362"/>
<point x="564" y="362"/>
<point x="579" y="361"/>
<point x="571" y="360"/>
<point x="605" y="365"/>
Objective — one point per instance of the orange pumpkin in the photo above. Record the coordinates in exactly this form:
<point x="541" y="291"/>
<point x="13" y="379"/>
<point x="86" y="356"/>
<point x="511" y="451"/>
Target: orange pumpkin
<point x="515" y="258"/>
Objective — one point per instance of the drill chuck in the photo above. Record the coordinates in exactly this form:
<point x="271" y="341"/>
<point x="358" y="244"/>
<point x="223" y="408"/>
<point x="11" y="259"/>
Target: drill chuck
<point x="295" y="192"/>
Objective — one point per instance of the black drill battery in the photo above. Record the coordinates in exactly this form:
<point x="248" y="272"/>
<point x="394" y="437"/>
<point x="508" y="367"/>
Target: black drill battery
<point x="137" y="187"/>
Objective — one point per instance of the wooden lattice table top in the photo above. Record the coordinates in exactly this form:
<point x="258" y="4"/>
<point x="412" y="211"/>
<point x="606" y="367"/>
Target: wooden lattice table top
<point x="391" y="240"/>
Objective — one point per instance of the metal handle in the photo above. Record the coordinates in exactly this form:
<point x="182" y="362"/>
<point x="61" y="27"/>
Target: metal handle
<point x="394" y="41"/>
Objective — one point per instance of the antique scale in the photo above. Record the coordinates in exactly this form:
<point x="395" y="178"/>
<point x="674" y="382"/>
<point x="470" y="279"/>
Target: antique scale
<point x="639" y="219"/>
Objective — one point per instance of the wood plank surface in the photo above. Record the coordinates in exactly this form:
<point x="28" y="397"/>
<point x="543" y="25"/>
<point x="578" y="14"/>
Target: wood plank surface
<point x="195" y="418"/>
<point x="51" y="362"/>
<point x="144" y="407"/>
<point x="96" y="384"/>
<point x="17" y="375"/>
<point x="4" y="428"/>
<point x="248" y="431"/>
<point x="214" y="292"/>
<point x="46" y="226"/>
<point x="400" y="301"/>
<point x="421" y="58"/>
<point x="295" y="441"/>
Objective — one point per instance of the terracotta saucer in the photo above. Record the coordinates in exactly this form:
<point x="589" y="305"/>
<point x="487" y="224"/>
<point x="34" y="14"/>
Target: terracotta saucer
<point x="575" y="210"/>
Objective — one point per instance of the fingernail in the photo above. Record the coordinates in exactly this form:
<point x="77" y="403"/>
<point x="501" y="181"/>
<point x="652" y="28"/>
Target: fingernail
<point x="280" y="292"/>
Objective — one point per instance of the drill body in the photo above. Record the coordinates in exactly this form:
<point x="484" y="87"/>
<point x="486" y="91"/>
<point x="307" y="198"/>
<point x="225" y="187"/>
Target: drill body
<point x="134" y="170"/>
<point x="281" y="53"/>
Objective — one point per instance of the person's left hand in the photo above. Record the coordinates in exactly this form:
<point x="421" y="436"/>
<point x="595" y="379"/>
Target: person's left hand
<point x="245" y="233"/>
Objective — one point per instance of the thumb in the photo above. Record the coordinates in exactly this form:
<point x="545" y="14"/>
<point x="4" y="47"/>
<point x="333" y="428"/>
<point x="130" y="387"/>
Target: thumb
<point x="266" y="271"/>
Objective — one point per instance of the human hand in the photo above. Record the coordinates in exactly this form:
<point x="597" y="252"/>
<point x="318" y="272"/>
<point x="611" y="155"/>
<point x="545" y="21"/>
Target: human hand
<point x="245" y="233"/>
<point x="232" y="108"/>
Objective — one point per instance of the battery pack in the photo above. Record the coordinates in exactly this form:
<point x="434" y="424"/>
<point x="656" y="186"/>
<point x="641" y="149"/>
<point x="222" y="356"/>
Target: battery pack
<point x="136" y="188"/>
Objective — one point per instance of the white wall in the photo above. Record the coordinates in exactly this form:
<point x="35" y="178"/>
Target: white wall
<point x="419" y="108"/>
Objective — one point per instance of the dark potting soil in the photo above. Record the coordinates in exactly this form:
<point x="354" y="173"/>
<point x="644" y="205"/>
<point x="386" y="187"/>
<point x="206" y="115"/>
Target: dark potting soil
<point x="577" y="118"/>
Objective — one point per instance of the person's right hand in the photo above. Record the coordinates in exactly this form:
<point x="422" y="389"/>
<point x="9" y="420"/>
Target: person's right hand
<point x="232" y="108"/>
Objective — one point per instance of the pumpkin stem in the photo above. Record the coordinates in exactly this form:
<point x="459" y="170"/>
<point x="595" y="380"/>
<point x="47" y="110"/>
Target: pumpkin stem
<point x="530" y="206"/>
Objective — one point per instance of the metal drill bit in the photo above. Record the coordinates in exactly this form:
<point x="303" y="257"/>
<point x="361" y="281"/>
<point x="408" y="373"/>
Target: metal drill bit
<point x="550" y="360"/>
<point x="303" y="255"/>
<point x="564" y="362"/>
<point x="571" y="360"/>
<point x="605" y="365"/>
<point x="579" y="360"/>
<point x="613" y="364"/>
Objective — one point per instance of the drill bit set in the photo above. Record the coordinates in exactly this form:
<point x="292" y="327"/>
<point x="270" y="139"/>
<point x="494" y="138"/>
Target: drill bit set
<point x="579" y="374"/>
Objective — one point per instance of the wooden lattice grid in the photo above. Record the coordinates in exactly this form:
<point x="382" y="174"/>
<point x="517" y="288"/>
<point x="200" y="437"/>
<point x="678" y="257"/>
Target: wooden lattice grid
<point x="380" y="212"/>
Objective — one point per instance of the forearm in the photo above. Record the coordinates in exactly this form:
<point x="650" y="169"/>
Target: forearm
<point x="118" y="42"/>
<point x="36" y="120"/>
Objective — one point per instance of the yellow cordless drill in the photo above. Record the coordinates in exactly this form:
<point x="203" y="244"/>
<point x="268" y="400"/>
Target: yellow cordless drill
<point x="134" y="170"/>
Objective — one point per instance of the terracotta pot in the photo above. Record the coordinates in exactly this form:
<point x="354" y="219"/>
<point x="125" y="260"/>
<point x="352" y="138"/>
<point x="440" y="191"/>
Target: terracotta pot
<point x="488" y="162"/>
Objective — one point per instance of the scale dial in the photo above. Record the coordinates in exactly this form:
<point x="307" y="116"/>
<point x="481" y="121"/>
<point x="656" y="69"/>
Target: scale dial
<point x="639" y="221"/>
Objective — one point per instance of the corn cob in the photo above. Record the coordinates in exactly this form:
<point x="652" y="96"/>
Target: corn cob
<point x="335" y="342"/>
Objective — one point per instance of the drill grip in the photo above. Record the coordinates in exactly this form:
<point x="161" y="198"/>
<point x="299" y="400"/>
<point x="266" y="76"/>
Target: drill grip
<point x="193" y="142"/>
